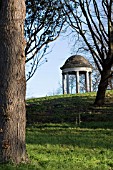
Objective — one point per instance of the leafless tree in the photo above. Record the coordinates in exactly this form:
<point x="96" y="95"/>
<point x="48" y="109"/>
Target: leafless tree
<point x="92" y="20"/>
<point x="43" y="24"/>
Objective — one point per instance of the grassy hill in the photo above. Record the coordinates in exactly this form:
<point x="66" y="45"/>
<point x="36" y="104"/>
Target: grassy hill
<point x="76" y="109"/>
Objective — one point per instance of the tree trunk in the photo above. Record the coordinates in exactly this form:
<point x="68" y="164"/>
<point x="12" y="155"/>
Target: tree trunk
<point x="12" y="81"/>
<point x="102" y="87"/>
<point x="107" y="69"/>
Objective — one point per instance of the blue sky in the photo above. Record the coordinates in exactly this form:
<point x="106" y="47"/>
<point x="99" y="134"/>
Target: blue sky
<point x="46" y="79"/>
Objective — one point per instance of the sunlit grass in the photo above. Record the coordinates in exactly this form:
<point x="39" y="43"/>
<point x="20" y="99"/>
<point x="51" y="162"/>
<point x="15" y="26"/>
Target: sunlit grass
<point x="59" y="147"/>
<point x="66" y="147"/>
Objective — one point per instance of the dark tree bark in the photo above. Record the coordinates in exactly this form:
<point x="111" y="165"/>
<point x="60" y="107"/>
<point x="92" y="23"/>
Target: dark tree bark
<point x="12" y="81"/>
<point x="100" y="97"/>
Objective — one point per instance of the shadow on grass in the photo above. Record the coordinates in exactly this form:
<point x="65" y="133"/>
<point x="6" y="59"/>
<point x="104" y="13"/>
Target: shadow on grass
<point x="66" y="108"/>
<point x="18" y="167"/>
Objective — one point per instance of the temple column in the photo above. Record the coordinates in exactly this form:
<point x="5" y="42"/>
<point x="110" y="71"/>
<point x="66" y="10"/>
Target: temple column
<point x="63" y="83"/>
<point x="87" y="81"/>
<point x="67" y="83"/>
<point x="77" y="82"/>
<point x="90" y="81"/>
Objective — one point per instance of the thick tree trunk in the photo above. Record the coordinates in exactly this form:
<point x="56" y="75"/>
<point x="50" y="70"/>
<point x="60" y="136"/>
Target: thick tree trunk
<point x="12" y="81"/>
<point x="102" y="87"/>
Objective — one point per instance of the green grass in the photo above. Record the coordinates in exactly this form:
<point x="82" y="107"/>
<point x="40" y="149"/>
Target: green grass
<point x="55" y="140"/>
<point x="66" y="147"/>
<point x="67" y="108"/>
<point x="56" y="146"/>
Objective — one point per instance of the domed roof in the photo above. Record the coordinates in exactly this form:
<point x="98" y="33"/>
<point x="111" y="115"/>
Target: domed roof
<point x="76" y="61"/>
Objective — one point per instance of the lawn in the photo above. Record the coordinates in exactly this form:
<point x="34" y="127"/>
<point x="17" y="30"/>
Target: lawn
<point x="68" y="132"/>
<point x="66" y="147"/>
